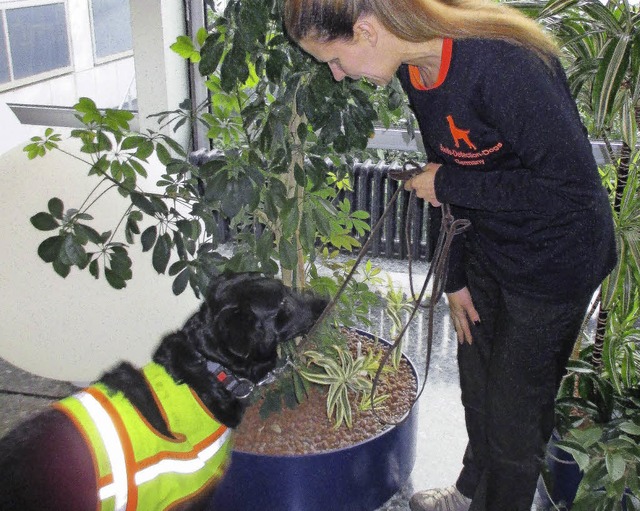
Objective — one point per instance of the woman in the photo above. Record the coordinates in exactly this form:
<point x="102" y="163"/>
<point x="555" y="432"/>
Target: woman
<point x="507" y="150"/>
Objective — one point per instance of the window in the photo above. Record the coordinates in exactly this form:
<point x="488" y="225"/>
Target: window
<point x="111" y="27"/>
<point x="5" y="76"/>
<point x="38" y="40"/>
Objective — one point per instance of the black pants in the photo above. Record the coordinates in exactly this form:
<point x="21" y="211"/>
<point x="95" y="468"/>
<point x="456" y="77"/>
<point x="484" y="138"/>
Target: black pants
<point x="509" y="378"/>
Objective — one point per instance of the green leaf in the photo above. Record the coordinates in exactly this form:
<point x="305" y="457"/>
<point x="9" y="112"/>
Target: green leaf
<point x="114" y="279"/>
<point x="177" y="267"/>
<point x="210" y="55"/>
<point x="120" y="262"/>
<point x="49" y="249"/>
<point x="608" y="79"/>
<point x="162" y="253"/>
<point x="234" y="67"/>
<point x="74" y="251"/>
<point x="148" y="238"/>
<point x="615" y="465"/>
<point x="61" y="268"/>
<point x="141" y="202"/>
<point x="145" y="149"/>
<point x="164" y="156"/>
<point x="185" y="48"/>
<point x="56" y="207"/>
<point x="288" y="254"/>
<point x="180" y="282"/>
<point x="579" y="454"/>
<point x="132" y="142"/>
<point x="630" y="428"/>
<point x="94" y="269"/>
<point x="44" y="222"/>
<point x="89" y="233"/>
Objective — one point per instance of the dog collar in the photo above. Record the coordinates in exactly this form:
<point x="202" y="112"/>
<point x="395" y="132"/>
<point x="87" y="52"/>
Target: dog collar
<point x="241" y="388"/>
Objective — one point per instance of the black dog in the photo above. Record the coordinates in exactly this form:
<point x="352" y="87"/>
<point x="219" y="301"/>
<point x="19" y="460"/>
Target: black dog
<point x="195" y="386"/>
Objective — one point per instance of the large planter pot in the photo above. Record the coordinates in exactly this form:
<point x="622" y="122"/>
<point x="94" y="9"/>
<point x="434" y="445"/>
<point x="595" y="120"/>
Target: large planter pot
<point x="361" y="477"/>
<point x="564" y="477"/>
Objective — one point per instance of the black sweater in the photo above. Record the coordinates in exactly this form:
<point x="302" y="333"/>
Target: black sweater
<point x="517" y="162"/>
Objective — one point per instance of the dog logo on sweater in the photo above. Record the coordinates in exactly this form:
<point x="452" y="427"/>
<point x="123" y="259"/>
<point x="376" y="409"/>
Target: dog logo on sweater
<point x="459" y="134"/>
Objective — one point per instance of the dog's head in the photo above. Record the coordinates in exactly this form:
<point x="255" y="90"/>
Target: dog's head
<point x="248" y="316"/>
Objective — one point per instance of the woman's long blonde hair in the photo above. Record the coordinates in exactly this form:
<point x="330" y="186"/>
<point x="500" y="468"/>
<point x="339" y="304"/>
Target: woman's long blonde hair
<point x="417" y="21"/>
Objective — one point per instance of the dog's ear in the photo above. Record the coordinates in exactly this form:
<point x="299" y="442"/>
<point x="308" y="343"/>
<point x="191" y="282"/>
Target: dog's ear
<point x="231" y="329"/>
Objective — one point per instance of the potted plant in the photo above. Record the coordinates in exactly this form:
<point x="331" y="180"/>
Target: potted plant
<point x="265" y="198"/>
<point x="598" y="402"/>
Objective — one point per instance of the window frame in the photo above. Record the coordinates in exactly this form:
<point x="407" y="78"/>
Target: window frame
<point x="109" y="58"/>
<point x="14" y="83"/>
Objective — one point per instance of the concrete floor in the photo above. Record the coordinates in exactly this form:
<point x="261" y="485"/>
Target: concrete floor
<point x="441" y="436"/>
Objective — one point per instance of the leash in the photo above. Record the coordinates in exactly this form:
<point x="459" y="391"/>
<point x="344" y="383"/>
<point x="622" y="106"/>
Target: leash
<point x="449" y="228"/>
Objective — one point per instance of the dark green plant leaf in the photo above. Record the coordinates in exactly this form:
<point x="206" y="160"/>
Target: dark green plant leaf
<point x="145" y="149"/>
<point x="616" y="465"/>
<point x="115" y="281"/>
<point x="272" y="403"/>
<point x="44" y="221"/>
<point x="276" y="64"/>
<point x="210" y="54"/>
<point x="94" y="269"/>
<point x="148" y="238"/>
<point x="180" y="282"/>
<point x="161" y="253"/>
<point x="177" y="267"/>
<point x="234" y="67"/>
<point x="88" y="233"/>
<point x="50" y="248"/>
<point x="159" y="205"/>
<point x="56" y="207"/>
<point x="61" y="268"/>
<point x="288" y="254"/>
<point x="74" y="251"/>
<point x="141" y="202"/>
<point x="164" y="156"/>
<point x="120" y="262"/>
<point x="132" y="142"/>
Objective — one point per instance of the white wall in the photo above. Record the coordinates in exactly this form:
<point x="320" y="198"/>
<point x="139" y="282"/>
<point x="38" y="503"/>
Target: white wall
<point x="72" y="328"/>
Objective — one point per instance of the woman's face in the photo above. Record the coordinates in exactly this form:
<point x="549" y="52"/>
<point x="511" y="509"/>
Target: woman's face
<point x="354" y="59"/>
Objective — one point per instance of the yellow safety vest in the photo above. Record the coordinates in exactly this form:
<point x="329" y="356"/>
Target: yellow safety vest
<point x="137" y="467"/>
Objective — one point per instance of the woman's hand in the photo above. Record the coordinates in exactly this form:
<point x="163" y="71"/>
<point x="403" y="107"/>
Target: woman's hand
<point x="424" y="184"/>
<point x="462" y="313"/>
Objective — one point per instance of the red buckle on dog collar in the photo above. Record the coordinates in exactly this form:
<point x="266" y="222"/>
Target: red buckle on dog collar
<point x="239" y="387"/>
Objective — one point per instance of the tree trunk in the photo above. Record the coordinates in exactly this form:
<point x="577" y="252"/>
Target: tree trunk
<point x="297" y="276"/>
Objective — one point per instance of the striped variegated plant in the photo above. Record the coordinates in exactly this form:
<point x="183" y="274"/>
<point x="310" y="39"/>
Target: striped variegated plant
<point x="344" y="375"/>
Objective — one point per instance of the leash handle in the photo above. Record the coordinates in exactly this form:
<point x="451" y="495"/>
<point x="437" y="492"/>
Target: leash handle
<point x="409" y="170"/>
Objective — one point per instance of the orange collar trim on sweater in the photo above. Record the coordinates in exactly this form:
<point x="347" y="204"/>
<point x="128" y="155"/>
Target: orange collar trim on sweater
<point x="445" y="60"/>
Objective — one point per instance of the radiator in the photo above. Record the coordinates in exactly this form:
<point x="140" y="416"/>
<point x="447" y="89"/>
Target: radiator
<point x="372" y="189"/>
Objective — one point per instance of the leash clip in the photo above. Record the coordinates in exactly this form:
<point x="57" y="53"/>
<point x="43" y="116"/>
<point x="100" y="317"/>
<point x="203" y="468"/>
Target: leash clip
<point x="272" y="376"/>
